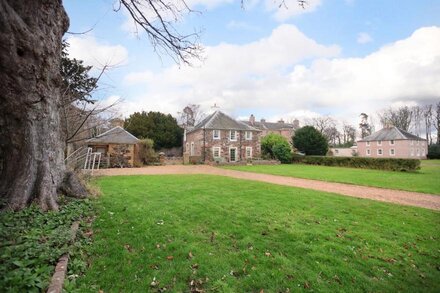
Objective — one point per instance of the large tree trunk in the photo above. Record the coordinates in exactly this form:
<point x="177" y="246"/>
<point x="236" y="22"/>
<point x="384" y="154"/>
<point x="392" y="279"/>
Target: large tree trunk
<point x="31" y="149"/>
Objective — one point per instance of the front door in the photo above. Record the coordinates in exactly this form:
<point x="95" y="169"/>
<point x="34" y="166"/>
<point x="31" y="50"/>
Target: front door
<point x="233" y="154"/>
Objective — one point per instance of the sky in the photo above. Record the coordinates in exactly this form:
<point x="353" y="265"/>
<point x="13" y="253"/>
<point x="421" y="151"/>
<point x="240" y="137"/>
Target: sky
<point x="334" y="57"/>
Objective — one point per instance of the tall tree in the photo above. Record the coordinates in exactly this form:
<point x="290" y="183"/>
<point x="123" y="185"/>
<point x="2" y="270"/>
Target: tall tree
<point x="365" y="125"/>
<point x="31" y="149"/>
<point x="190" y="115"/>
<point x="427" y="118"/>
<point x="310" y="141"/>
<point x="349" y="134"/>
<point x="159" y="127"/>
<point x="400" y="117"/>
<point x="437" y="120"/>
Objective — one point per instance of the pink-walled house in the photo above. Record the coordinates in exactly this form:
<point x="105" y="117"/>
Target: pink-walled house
<point x="392" y="142"/>
<point x="220" y="138"/>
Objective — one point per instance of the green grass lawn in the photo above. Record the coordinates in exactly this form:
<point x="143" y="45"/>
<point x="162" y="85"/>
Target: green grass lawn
<point x="426" y="180"/>
<point x="188" y="232"/>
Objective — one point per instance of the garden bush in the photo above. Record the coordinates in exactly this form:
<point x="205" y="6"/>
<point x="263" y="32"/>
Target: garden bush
<point x="282" y="152"/>
<point x="360" y="162"/>
<point x="268" y="142"/>
<point x="434" y="151"/>
<point x="147" y="155"/>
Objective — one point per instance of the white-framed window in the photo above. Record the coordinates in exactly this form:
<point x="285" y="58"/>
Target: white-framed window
<point x="423" y="152"/>
<point x="233" y="154"/>
<point x="336" y="151"/>
<point x="368" y="143"/>
<point x="233" y="135"/>
<point x="187" y="148"/>
<point x="248" y="152"/>
<point x="418" y="142"/>
<point x="392" y="152"/>
<point x="248" y="135"/>
<point x="368" y="152"/>
<point x="392" y="142"/>
<point x="412" y="142"/>
<point x="412" y="152"/>
<point x="216" y="152"/>
<point x="192" y="149"/>
<point x="418" y="152"/>
<point x="379" y="152"/>
<point x="379" y="142"/>
<point x="216" y="134"/>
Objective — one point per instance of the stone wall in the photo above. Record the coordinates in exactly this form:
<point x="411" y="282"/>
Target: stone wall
<point x="203" y="140"/>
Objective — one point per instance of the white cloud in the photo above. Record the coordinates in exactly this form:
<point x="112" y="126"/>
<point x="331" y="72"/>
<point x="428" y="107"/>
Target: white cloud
<point x="96" y="54"/>
<point x="364" y="38"/>
<point x="269" y="76"/>
<point x="289" y="8"/>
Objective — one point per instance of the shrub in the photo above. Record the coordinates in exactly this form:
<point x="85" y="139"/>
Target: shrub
<point x="310" y="141"/>
<point x="282" y="152"/>
<point x="268" y="142"/>
<point x="147" y="155"/>
<point x="434" y="151"/>
<point x="360" y="162"/>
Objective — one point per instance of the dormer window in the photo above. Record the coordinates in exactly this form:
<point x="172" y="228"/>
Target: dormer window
<point x="248" y="135"/>
<point x="391" y="142"/>
<point x="379" y="142"/>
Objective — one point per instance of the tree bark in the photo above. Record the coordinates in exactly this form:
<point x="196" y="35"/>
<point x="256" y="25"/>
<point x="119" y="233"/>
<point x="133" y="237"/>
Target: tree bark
<point x="31" y="149"/>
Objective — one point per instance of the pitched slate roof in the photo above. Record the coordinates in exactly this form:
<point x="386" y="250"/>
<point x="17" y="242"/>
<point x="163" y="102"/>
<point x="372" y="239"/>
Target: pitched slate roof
<point x="270" y="125"/>
<point x="391" y="133"/>
<point x="219" y="120"/>
<point x="115" y="135"/>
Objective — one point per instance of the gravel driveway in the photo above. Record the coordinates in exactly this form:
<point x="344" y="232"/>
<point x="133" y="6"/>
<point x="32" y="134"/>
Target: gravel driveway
<point x="380" y="194"/>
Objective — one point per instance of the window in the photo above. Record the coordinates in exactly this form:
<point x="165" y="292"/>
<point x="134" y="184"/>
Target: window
<point x="423" y="152"/>
<point x="412" y="152"/>
<point x="216" y="152"/>
<point x="379" y="152"/>
<point x="192" y="149"/>
<point x="418" y="152"/>
<point x="379" y="142"/>
<point x="248" y="152"/>
<point x="418" y="142"/>
<point x="368" y="143"/>
<point x="412" y="142"/>
<point x="368" y="152"/>
<point x="392" y="152"/>
<point x="391" y="142"/>
<point x="248" y="135"/>
<point x="187" y="148"/>
<point x="216" y="134"/>
<point x="233" y="135"/>
<point x="336" y="151"/>
<point x="233" y="154"/>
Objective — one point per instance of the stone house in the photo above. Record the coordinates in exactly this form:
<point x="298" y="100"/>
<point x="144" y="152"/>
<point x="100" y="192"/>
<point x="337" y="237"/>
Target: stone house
<point x="285" y="129"/>
<point x="220" y="138"/>
<point x="117" y="146"/>
<point x="392" y="142"/>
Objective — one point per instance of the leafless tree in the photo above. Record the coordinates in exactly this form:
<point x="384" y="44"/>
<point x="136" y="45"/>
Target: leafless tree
<point x="190" y="115"/>
<point x="401" y="117"/>
<point x="436" y="121"/>
<point x="428" y="119"/>
<point x="348" y="133"/>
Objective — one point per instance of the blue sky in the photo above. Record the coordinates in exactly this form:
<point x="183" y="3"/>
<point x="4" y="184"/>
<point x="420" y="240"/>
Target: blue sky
<point x="337" y="58"/>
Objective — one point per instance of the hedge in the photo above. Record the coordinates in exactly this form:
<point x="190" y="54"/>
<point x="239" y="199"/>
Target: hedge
<point x="360" y="162"/>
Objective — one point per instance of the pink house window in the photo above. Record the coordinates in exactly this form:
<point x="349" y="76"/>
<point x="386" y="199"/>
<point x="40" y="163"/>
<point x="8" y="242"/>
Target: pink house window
<point x="391" y="142"/>
<point x="379" y="152"/>
<point x="392" y="152"/>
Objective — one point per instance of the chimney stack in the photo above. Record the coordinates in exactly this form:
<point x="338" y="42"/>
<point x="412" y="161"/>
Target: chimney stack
<point x="252" y="119"/>
<point x="281" y="120"/>
<point x="263" y="120"/>
<point x="295" y="123"/>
